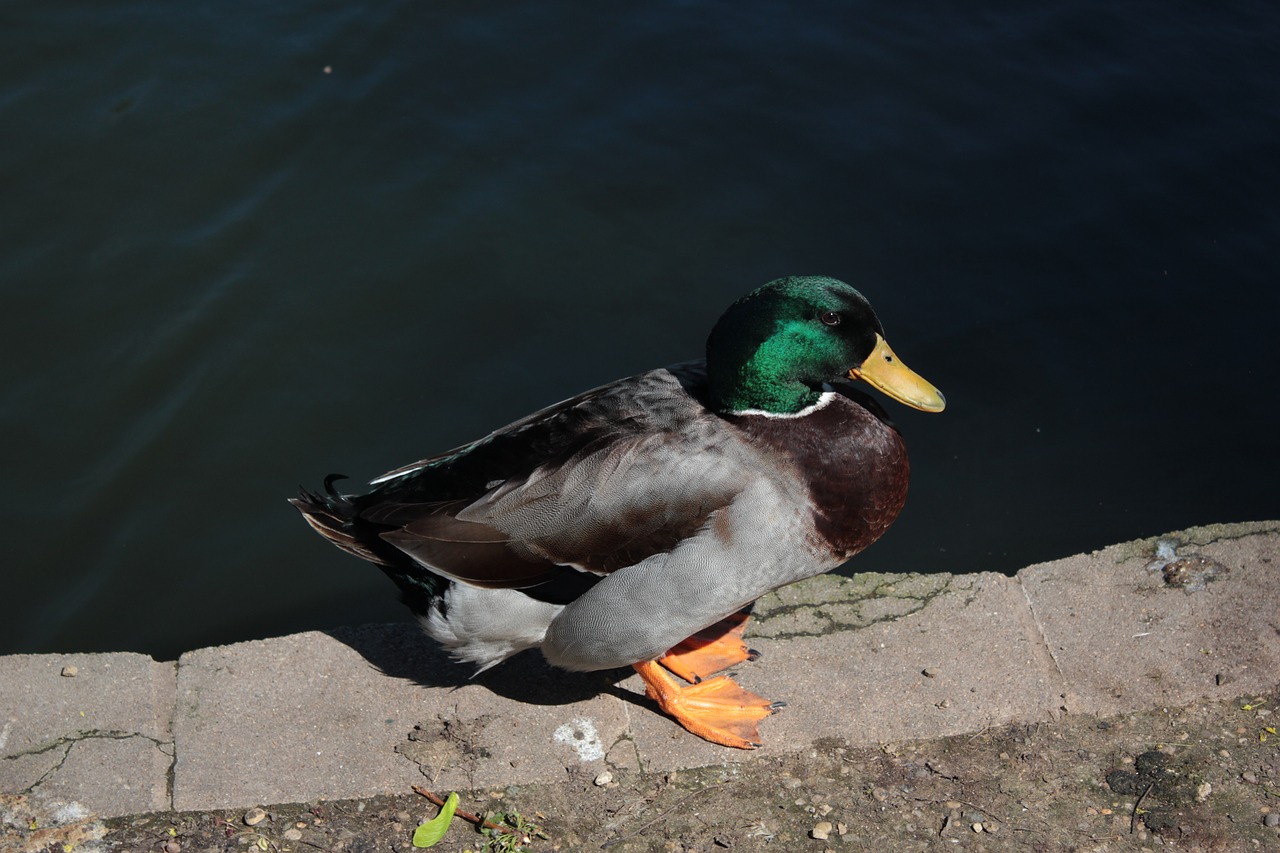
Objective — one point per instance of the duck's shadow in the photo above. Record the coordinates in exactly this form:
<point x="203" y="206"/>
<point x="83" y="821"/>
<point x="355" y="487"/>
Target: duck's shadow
<point x="401" y="650"/>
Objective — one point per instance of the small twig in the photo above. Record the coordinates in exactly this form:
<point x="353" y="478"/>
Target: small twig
<point x="986" y="813"/>
<point x="467" y="816"/>
<point x="928" y="765"/>
<point x="645" y="826"/>
<point x="1133" y="818"/>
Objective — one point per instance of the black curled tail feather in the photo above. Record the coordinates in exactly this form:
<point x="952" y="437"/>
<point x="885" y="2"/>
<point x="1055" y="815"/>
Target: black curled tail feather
<point x="335" y="517"/>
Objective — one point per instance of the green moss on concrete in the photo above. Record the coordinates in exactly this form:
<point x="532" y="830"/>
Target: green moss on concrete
<point x="1203" y="535"/>
<point x="830" y="603"/>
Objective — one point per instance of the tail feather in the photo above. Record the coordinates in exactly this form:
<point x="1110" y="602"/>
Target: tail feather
<point x="333" y="516"/>
<point x="337" y="517"/>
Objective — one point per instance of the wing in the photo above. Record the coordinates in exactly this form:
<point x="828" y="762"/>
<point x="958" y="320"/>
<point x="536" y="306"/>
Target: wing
<point x="596" y="483"/>
<point x="763" y="539"/>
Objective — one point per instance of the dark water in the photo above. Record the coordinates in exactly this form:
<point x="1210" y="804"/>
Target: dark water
<point x="244" y="245"/>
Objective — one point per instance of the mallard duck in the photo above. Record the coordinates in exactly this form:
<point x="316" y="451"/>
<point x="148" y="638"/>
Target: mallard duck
<point x="635" y="524"/>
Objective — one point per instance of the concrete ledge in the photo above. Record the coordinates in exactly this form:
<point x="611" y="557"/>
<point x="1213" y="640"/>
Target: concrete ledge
<point x="1123" y="638"/>
<point x="88" y="728"/>
<point x="357" y="712"/>
<point x="330" y="715"/>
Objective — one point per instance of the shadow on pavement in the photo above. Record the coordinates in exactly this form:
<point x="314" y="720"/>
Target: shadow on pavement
<point x="401" y="650"/>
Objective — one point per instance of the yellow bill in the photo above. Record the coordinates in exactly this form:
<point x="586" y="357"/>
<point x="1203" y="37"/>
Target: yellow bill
<point x="884" y="371"/>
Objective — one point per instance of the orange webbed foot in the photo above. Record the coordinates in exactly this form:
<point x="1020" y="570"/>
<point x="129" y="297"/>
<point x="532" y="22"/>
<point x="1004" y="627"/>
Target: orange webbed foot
<point x="711" y="650"/>
<point x="717" y="709"/>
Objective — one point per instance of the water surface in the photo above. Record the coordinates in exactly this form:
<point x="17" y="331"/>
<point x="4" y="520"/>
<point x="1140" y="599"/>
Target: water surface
<point x="245" y="245"/>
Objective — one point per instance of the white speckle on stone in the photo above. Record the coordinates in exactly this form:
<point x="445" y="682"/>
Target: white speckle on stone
<point x="65" y="813"/>
<point x="582" y="736"/>
<point x="4" y="734"/>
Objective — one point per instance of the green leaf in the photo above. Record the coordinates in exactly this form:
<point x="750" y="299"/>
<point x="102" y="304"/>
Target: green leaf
<point x="433" y="830"/>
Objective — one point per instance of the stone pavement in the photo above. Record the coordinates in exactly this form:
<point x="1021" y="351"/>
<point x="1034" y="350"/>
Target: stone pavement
<point x="356" y="712"/>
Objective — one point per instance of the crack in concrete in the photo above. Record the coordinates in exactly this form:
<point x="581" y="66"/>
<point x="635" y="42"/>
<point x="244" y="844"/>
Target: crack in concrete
<point x="625" y="738"/>
<point x="171" y="772"/>
<point x="66" y="751"/>
<point x="1039" y="639"/>
<point x="67" y="742"/>
<point x="846" y="610"/>
<point x="626" y="729"/>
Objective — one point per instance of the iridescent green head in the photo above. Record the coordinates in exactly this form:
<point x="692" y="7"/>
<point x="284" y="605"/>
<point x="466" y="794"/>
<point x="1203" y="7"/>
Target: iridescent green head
<point x="775" y="347"/>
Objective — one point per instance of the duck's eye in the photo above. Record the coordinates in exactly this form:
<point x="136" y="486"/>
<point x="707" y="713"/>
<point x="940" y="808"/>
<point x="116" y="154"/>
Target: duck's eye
<point x="830" y="318"/>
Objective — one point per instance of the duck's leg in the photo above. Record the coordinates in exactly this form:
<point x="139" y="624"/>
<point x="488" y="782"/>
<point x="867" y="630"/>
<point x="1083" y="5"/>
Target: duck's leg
<point x="711" y="650"/>
<point x="716" y="709"/>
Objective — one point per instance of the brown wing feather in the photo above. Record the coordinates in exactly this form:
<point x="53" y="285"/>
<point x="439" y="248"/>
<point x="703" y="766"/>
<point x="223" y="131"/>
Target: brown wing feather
<point x="431" y="533"/>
